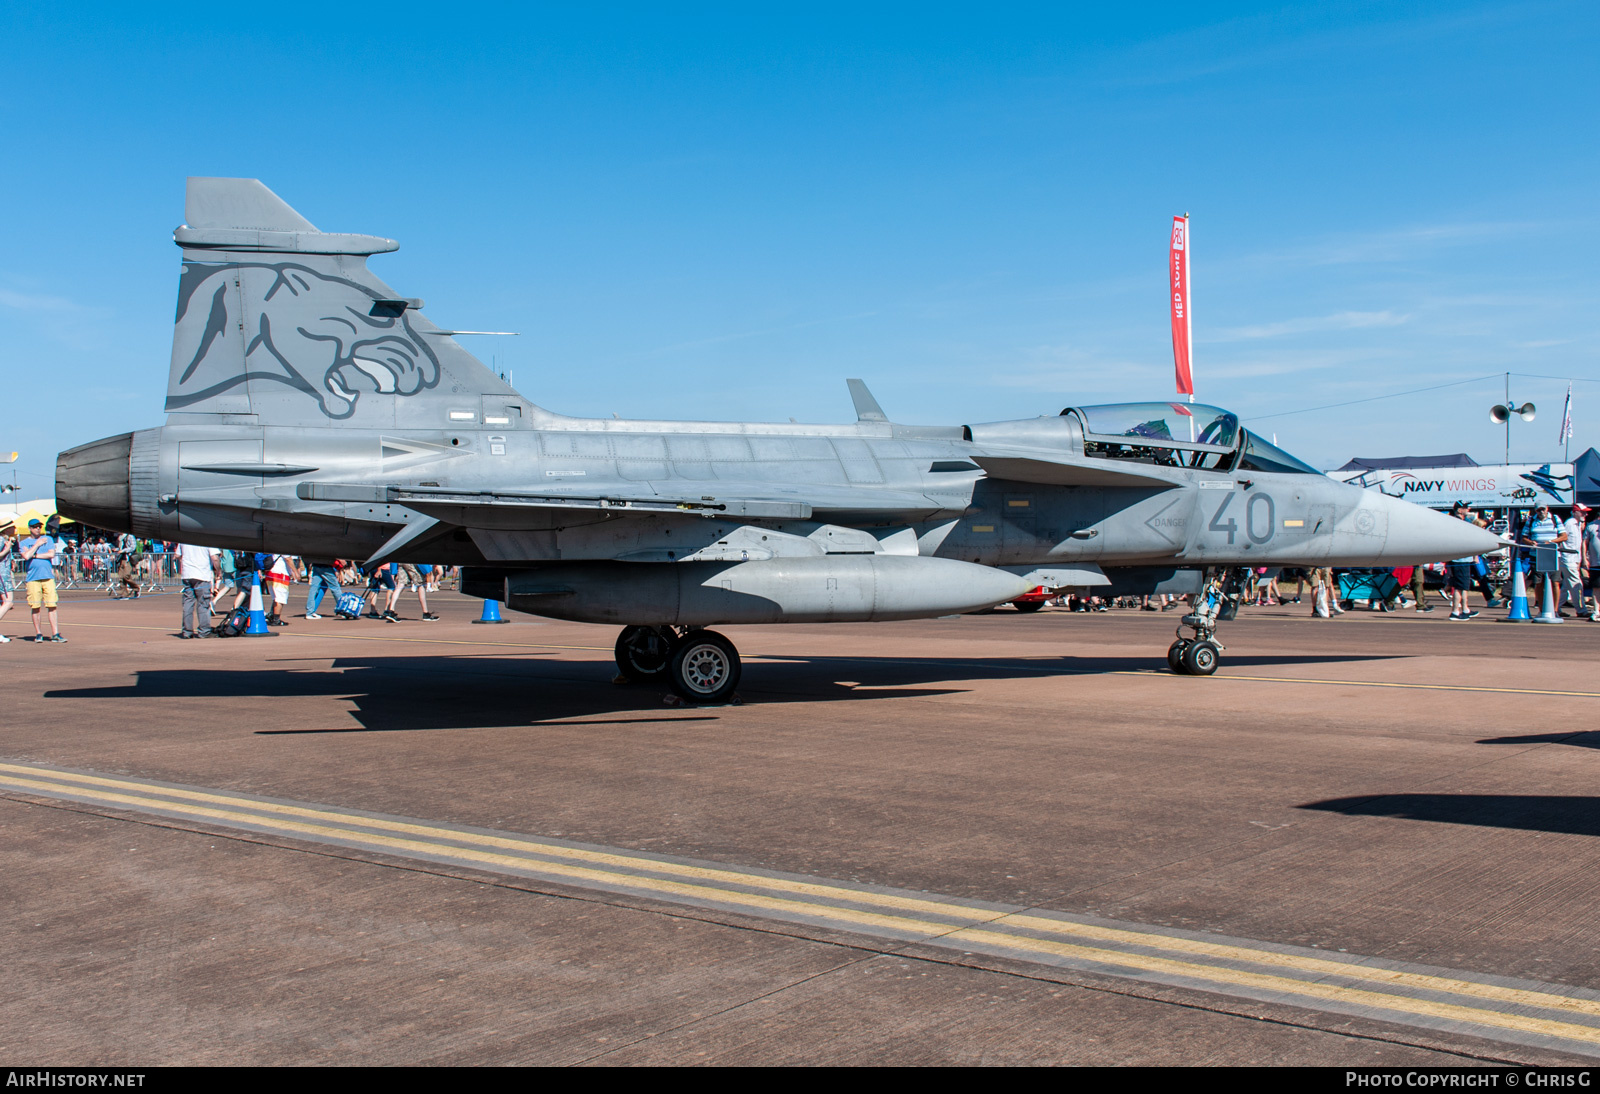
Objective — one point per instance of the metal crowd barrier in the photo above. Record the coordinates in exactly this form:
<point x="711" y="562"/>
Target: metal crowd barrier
<point x="153" y="572"/>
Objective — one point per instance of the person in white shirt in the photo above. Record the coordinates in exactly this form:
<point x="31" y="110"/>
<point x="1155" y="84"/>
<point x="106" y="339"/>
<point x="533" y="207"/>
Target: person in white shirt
<point x="197" y="568"/>
<point x="1571" y="559"/>
<point x="283" y="571"/>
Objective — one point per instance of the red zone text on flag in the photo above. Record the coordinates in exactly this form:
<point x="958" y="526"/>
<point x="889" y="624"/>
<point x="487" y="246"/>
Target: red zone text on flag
<point x="1178" y="268"/>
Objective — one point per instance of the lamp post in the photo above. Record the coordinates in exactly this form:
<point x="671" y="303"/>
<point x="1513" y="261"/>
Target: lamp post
<point x="1502" y="413"/>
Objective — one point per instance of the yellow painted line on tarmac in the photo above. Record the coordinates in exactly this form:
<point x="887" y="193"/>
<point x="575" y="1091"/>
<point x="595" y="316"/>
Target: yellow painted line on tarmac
<point x="1429" y="1008"/>
<point x="1308" y="964"/>
<point x="975" y="925"/>
<point x="524" y="845"/>
<point x="392" y="843"/>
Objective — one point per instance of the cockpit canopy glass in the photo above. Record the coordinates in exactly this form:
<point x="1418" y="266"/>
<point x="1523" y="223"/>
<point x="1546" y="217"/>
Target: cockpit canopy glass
<point x="1185" y="423"/>
<point x="1258" y="455"/>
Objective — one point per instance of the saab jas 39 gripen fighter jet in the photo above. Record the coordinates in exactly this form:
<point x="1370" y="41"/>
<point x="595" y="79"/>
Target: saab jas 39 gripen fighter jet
<point x="312" y="410"/>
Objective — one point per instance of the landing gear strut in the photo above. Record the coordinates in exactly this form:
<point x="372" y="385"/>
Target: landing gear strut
<point x="701" y="666"/>
<point x="1199" y="654"/>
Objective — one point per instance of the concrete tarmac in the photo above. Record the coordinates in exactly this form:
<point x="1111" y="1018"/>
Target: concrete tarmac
<point x="993" y="839"/>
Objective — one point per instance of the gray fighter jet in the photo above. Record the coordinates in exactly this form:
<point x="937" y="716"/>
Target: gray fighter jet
<point x="312" y="410"/>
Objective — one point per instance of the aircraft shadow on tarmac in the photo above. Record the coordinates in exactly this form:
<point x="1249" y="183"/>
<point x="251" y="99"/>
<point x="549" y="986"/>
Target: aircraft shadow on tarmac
<point x="1530" y="812"/>
<point x="1582" y="739"/>
<point x="396" y="693"/>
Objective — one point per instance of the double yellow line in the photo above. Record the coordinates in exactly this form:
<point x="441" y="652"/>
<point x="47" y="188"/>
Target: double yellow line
<point x="1541" y="1013"/>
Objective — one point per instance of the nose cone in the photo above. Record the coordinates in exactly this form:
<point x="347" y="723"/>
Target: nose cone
<point x="1416" y="534"/>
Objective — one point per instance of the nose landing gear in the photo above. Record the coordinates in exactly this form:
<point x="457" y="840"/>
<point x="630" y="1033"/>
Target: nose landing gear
<point x="1198" y="655"/>
<point x="701" y="666"/>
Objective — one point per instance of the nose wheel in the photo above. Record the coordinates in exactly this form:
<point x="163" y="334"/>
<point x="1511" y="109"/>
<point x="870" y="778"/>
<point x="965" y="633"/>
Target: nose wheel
<point x="701" y="666"/>
<point x="1200" y="653"/>
<point x="1194" y="657"/>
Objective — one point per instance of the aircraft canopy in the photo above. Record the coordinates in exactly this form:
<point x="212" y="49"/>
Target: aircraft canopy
<point x="1183" y="423"/>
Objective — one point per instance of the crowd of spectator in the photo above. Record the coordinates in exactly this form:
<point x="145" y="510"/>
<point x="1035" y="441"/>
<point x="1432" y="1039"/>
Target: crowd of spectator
<point x="212" y="582"/>
<point x="1331" y="592"/>
<point x="212" y="575"/>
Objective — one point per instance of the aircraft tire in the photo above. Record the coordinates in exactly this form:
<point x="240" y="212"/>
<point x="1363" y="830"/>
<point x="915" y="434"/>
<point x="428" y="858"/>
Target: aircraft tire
<point x="1175" y="654"/>
<point x="644" y="654"/>
<point x="705" y="667"/>
<point x="1028" y="605"/>
<point x="1201" y="658"/>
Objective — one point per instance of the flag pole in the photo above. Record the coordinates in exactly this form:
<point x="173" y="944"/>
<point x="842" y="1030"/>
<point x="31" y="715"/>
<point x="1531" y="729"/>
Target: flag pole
<point x="1566" y="431"/>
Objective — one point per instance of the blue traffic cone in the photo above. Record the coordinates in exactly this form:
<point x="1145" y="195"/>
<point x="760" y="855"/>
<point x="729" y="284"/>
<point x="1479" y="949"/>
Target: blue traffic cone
<point x="258" y="617"/>
<point x="491" y="613"/>
<point x="1519" y="597"/>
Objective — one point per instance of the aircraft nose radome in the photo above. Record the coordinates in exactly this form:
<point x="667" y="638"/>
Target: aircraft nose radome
<point x="1417" y="534"/>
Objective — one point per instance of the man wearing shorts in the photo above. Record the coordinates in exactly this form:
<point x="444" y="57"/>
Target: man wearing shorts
<point x="277" y="575"/>
<point x="1458" y="577"/>
<point x="382" y="579"/>
<point x="39" y="551"/>
<point x="409" y="573"/>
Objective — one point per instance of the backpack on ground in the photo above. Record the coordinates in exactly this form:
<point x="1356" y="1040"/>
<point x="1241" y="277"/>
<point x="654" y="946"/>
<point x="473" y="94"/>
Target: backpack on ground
<point x="237" y="622"/>
<point x="347" y="606"/>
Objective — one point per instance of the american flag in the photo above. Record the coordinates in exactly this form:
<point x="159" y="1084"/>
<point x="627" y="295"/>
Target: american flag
<point x="1566" y="419"/>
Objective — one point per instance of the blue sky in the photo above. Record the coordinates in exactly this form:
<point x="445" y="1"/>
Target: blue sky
<point x="722" y="212"/>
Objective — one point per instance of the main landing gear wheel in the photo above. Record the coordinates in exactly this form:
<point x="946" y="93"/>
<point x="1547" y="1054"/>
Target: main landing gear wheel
<point x="1028" y="605"/>
<point x="1201" y="658"/>
<point x="644" y="654"/>
<point x="705" y="667"/>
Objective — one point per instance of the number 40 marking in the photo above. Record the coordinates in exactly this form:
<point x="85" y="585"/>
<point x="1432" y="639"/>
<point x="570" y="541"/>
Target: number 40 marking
<point x="1232" y="526"/>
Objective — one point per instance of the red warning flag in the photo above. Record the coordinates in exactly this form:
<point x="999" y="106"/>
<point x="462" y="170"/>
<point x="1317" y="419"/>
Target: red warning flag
<point x="1182" y="334"/>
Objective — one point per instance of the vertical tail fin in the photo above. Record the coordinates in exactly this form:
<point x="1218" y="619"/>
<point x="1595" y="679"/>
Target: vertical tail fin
<point x="285" y="322"/>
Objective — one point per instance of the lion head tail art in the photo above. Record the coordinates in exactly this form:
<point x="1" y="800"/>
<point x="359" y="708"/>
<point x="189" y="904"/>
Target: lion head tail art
<point x="280" y="320"/>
